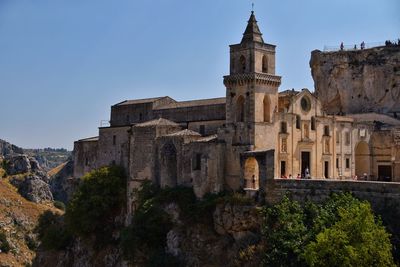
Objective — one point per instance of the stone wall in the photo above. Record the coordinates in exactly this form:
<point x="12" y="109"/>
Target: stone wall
<point x="358" y="81"/>
<point x="318" y="190"/>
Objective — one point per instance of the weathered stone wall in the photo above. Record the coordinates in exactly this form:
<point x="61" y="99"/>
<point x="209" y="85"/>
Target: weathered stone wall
<point x="358" y="81"/>
<point x="113" y="146"/>
<point x="85" y="157"/>
<point x="318" y="190"/>
<point x="193" y="113"/>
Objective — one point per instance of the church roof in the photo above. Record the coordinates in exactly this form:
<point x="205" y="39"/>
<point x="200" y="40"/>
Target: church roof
<point x="140" y="101"/>
<point x="193" y="103"/>
<point x="185" y="132"/>
<point x="157" y="122"/>
<point x="89" y="139"/>
<point x="252" y="32"/>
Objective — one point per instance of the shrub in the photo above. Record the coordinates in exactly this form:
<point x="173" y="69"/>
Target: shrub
<point x="4" y="244"/>
<point x="340" y="232"/>
<point x="356" y="239"/>
<point x="59" y="205"/>
<point x="52" y="231"/>
<point x="98" y="200"/>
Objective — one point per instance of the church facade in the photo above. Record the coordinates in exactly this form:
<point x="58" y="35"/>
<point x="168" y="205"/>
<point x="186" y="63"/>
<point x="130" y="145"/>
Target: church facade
<point x="238" y="141"/>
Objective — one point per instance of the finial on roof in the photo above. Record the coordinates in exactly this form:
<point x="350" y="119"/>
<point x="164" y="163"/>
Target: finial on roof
<point x="252" y="32"/>
<point x="252" y="8"/>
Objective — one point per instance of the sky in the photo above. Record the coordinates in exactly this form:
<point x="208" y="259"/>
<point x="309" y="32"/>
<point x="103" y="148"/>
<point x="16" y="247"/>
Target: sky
<point x="63" y="63"/>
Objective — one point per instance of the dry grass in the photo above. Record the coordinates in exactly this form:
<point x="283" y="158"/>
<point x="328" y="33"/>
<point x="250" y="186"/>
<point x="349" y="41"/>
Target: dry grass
<point x="57" y="169"/>
<point x="14" y="207"/>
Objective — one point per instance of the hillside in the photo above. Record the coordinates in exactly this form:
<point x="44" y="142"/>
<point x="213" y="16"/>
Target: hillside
<point x="49" y="158"/>
<point x="18" y="218"/>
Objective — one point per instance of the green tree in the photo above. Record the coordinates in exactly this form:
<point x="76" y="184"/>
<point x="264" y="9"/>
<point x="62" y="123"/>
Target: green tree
<point x="285" y="234"/>
<point x="356" y="239"/>
<point x="98" y="200"/>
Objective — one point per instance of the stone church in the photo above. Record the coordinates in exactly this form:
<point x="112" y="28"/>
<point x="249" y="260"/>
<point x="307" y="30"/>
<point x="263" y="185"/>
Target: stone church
<point x="238" y="141"/>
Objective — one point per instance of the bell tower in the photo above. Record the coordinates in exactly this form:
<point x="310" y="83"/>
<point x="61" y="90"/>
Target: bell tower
<point x="252" y="87"/>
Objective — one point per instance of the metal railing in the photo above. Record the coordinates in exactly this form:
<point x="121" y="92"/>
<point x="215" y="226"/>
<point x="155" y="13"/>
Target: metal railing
<point x="360" y="46"/>
<point x="104" y="123"/>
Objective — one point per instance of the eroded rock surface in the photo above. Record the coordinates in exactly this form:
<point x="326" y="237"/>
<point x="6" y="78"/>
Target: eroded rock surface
<point x="358" y="81"/>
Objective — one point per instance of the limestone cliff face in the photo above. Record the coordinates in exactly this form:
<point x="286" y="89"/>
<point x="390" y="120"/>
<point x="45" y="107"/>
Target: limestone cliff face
<point x="358" y="81"/>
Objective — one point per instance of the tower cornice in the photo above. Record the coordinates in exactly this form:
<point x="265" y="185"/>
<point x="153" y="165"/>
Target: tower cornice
<point x="252" y="78"/>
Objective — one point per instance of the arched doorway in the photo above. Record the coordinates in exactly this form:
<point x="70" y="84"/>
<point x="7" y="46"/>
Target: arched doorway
<point x="169" y="165"/>
<point x="240" y="109"/>
<point x="362" y="158"/>
<point x="251" y="173"/>
<point x="267" y="109"/>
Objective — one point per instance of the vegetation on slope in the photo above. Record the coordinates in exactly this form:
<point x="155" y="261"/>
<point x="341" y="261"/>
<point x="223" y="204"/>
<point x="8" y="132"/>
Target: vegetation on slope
<point x="340" y="232"/>
<point x="18" y="218"/>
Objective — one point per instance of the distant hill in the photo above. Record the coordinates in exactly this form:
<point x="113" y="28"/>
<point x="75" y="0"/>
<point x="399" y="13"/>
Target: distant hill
<point x="49" y="158"/>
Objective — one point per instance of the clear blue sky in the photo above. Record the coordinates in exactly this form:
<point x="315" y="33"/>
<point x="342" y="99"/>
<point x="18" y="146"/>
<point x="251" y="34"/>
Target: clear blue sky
<point x="64" y="63"/>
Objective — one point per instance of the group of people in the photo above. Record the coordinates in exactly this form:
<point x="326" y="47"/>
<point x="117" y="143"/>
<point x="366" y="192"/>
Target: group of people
<point x="305" y="176"/>
<point x="362" y="45"/>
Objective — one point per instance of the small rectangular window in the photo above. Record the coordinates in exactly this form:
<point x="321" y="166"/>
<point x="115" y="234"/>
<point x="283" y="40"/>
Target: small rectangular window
<point x="298" y="120"/>
<point x="337" y="163"/>
<point x="347" y="163"/>
<point x="326" y="130"/>
<point x="196" y="164"/>
<point x="347" y="138"/>
<point x="114" y="140"/>
<point x="283" y="127"/>
<point x="337" y="137"/>
<point x="313" y="123"/>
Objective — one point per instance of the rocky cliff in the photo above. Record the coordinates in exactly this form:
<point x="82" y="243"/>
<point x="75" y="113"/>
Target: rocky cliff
<point x="9" y="149"/>
<point x="359" y="80"/>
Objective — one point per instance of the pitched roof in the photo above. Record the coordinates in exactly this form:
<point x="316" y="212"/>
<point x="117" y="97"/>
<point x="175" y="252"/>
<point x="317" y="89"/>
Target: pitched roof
<point x="194" y="103"/>
<point x="140" y="101"/>
<point x="252" y="32"/>
<point x="206" y="139"/>
<point x="185" y="132"/>
<point x="157" y="122"/>
<point x="90" y="139"/>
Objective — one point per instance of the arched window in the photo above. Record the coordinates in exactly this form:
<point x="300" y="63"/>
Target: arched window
<point x="240" y="109"/>
<point x="267" y="109"/>
<point x="242" y="62"/>
<point x="251" y="173"/>
<point x="313" y="123"/>
<point x="265" y="64"/>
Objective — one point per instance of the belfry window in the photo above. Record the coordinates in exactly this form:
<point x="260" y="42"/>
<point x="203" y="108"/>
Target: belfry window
<point x="264" y="64"/>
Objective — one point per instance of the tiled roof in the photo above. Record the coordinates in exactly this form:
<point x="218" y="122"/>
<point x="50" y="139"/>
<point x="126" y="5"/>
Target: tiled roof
<point x="140" y="101"/>
<point x="157" y="122"/>
<point x="194" y="103"/>
<point x="90" y="139"/>
<point x="185" y="132"/>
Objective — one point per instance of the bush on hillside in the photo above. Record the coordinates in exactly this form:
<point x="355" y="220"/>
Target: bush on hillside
<point x="52" y="231"/>
<point x="4" y="245"/>
<point x="342" y="231"/>
<point x="100" y="197"/>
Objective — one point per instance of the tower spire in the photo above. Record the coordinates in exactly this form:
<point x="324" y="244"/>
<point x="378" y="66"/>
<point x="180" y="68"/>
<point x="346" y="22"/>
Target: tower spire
<point x="252" y="32"/>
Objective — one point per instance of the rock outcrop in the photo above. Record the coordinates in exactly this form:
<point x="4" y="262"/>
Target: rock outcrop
<point x="33" y="187"/>
<point x="62" y="184"/>
<point x="358" y="81"/>
<point x="20" y="163"/>
<point x="9" y="149"/>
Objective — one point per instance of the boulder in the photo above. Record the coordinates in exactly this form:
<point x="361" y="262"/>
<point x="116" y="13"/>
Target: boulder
<point x="17" y="164"/>
<point x="33" y="188"/>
